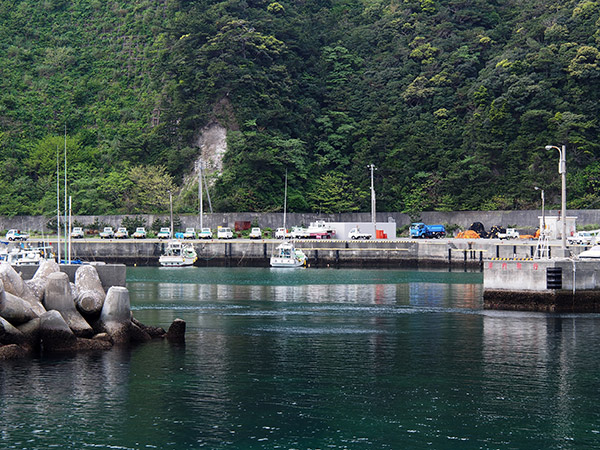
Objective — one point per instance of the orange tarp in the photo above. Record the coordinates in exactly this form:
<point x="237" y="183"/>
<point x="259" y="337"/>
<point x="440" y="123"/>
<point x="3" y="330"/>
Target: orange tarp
<point x="468" y="234"/>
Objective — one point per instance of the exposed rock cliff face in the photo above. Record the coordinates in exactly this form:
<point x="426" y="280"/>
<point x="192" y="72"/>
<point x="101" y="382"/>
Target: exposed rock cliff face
<point x="213" y="144"/>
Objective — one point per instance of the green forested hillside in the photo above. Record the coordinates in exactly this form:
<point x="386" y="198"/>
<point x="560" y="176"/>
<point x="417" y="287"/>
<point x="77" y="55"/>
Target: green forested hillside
<point x="452" y="100"/>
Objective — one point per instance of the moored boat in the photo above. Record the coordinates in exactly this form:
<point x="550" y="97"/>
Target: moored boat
<point x="178" y="254"/>
<point x="27" y="255"/>
<point x="592" y="253"/>
<point x="320" y="230"/>
<point x="286" y="255"/>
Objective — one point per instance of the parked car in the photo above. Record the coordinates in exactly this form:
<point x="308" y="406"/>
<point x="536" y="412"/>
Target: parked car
<point x="255" y="233"/>
<point x="122" y="233"/>
<point x="300" y="233"/>
<point x="281" y="233"/>
<point x="140" y="233"/>
<point x="77" y="233"/>
<point x="355" y="233"/>
<point x="190" y="233"/>
<point x="107" y="233"/>
<point x="164" y="233"/>
<point x="224" y="233"/>
<point x="16" y="235"/>
<point x="205" y="233"/>
<point x="581" y="237"/>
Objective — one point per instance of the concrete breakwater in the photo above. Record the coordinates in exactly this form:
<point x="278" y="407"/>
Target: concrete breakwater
<point x="551" y="285"/>
<point x="48" y="313"/>
<point x="321" y="253"/>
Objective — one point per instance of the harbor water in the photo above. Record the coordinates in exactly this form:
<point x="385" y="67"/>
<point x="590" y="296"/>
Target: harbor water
<point x="316" y="359"/>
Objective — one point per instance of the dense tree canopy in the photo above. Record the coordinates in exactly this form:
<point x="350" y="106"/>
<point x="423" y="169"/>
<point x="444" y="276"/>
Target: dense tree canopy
<point x="452" y="100"/>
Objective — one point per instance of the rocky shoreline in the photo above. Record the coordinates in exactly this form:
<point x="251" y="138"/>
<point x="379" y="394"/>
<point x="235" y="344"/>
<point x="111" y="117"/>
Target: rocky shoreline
<point x="49" y="314"/>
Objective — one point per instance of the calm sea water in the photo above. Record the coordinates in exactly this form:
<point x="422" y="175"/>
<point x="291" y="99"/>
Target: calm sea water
<point x="317" y="359"/>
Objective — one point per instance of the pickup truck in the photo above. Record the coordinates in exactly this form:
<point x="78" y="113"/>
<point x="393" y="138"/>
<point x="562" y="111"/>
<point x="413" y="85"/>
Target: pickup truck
<point x="107" y="233"/>
<point x="581" y="237"/>
<point x="121" y="233"/>
<point x="300" y="233"/>
<point x="281" y="233"/>
<point x="420" y="230"/>
<point x="205" y="233"/>
<point x="16" y="235"/>
<point x="164" y="233"/>
<point x="255" y="233"/>
<point x="224" y="233"/>
<point x="140" y="233"/>
<point x="190" y="233"/>
<point x="77" y="233"/>
<point x="511" y="233"/>
<point x="355" y="233"/>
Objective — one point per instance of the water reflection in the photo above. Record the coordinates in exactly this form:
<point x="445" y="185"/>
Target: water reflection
<point x="545" y="358"/>
<point x="39" y="395"/>
<point x="414" y="294"/>
<point x="412" y="364"/>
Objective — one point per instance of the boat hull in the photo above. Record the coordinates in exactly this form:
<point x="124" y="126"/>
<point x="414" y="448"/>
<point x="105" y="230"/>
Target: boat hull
<point x="175" y="261"/>
<point x="285" y="262"/>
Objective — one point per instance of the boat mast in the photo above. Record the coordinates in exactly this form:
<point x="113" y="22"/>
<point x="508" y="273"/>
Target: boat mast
<point x="57" y="204"/>
<point x="70" y="219"/>
<point x="207" y="192"/>
<point x="200" y="193"/>
<point x="66" y="191"/>
<point x="171" y="207"/>
<point x="285" y="199"/>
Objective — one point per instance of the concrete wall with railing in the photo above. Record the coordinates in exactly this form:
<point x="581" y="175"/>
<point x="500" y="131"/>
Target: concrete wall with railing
<point x="519" y="219"/>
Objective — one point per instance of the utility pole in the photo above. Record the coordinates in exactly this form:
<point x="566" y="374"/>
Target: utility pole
<point x="373" y="209"/>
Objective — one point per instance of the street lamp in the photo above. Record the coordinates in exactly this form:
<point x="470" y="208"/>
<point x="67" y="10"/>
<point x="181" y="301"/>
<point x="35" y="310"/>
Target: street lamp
<point x="543" y="231"/>
<point x="562" y="170"/>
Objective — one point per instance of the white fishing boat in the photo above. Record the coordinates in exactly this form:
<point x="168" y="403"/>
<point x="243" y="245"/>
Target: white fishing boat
<point x="592" y="253"/>
<point x="26" y="255"/>
<point x="320" y="230"/>
<point x="178" y="254"/>
<point x="286" y="255"/>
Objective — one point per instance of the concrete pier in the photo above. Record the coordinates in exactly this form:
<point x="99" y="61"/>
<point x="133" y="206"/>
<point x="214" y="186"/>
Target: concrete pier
<point x="459" y="253"/>
<point x="555" y="285"/>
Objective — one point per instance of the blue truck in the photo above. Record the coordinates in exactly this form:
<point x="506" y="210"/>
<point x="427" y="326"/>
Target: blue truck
<point x="420" y="230"/>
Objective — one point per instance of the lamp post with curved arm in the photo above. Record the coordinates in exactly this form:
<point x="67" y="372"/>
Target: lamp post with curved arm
<point x="562" y="170"/>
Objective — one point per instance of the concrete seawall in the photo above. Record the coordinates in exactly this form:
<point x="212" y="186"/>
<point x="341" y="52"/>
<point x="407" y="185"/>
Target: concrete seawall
<point x="528" y="219"/>
<point x="384" y="253"/>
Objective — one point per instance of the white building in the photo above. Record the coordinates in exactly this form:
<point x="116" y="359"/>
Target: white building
<point x="343" y="228"/>
<point x="554" y="226"/>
